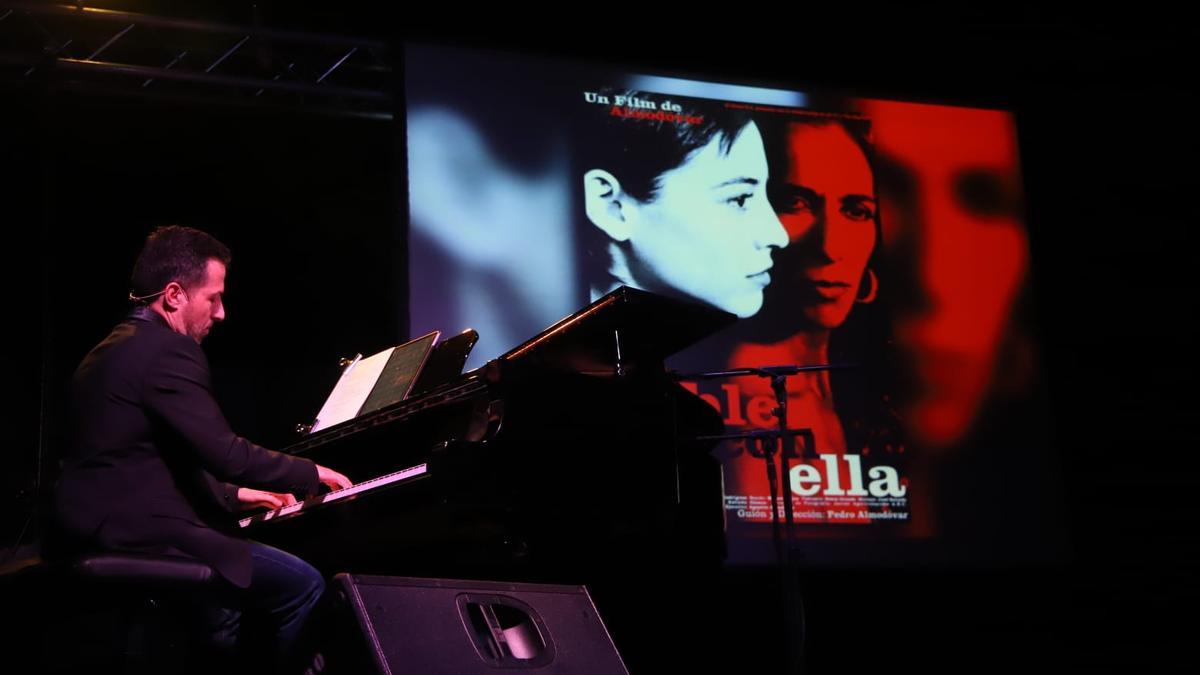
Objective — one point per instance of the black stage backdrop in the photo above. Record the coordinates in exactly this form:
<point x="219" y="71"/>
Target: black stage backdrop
<point x="1108" y="156"/>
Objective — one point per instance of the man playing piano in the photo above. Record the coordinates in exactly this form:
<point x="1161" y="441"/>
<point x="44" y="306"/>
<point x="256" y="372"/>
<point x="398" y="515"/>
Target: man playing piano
<point x="150" y="448"/>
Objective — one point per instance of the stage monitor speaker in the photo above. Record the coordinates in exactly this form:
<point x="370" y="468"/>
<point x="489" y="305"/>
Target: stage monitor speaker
<point x="465" y="627"/>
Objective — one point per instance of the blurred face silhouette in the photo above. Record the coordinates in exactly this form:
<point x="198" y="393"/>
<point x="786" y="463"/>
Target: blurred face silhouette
<point x="827" y="205"/>
<point x="950" y="200"/>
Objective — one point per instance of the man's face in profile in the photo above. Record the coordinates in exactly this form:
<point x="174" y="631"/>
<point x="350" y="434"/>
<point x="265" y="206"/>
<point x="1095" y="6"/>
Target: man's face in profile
<point x="204" y="303"/>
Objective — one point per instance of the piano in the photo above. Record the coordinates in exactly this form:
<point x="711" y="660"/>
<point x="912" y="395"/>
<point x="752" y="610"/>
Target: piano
<point x="566" y="457"/>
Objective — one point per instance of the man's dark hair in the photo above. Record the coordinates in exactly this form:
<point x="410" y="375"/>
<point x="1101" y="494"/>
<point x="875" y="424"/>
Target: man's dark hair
<point x="175" y="253"/>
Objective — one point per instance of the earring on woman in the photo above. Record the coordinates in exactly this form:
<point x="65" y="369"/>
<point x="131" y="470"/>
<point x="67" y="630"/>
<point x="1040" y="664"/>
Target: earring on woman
<point x="870" y="285"/>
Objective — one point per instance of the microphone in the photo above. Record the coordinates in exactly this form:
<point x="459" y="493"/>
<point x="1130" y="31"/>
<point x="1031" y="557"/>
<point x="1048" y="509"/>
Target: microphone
<point x="762" y="371"/>
<point x="143" y="298"/>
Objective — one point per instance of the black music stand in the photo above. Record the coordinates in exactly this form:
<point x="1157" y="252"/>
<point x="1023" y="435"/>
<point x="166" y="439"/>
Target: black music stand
<point x="767" y="442"/>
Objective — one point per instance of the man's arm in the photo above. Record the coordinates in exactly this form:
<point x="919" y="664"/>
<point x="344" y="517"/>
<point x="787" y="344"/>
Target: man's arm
<point x="249" y="498"/>
<point x="224" y="495"/>
<point x="233" y="499"/>
<point x="178" y="392"/>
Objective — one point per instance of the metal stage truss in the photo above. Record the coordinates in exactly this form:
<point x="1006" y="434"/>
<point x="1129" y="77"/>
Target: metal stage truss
<point x="86" y="49"/>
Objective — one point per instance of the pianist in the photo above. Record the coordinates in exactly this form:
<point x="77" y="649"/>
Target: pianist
<point x="150" y="446"/>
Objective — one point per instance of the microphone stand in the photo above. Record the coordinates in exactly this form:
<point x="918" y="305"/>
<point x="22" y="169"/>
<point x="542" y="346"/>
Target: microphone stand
<point x="767" y="443"/>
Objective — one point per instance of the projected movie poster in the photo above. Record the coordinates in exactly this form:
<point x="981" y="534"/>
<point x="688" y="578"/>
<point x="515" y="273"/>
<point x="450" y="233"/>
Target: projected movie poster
<point x="881" y="239"/>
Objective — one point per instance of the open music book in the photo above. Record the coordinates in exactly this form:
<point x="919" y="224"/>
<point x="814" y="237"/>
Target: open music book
<point x="375" y="382"/>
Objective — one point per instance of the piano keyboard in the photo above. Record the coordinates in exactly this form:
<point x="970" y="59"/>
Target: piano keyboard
<point x="337" y="495"/>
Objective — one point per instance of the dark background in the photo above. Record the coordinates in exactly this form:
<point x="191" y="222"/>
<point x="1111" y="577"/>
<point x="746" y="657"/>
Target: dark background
<point x="1104" y="107"/>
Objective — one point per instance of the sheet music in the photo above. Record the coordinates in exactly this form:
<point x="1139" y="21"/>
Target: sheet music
<point x="351" y="390"/>
<point x="400" y="373"/>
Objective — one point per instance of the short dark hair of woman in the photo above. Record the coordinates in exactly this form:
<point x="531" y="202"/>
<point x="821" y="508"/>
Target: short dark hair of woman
<point x="638" y="145"/>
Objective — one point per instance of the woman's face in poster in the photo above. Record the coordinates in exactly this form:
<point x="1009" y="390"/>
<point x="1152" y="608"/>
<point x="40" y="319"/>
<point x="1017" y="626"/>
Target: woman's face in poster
<point x="709" y="232"/>
<point x="958" y="250"/>
<point x="827" y="204"/>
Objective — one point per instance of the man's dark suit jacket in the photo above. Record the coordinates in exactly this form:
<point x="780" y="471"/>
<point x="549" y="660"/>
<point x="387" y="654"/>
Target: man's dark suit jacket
<point x="148" y="440"/>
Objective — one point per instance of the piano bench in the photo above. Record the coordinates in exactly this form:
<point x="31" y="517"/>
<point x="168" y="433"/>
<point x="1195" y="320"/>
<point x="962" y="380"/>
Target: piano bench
<point x="148" y="571"/>
<point x="124" y="612"/>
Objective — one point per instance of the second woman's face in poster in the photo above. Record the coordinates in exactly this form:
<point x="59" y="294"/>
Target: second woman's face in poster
<point x="710" y="230"/>
<point x="827" y="204"/>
